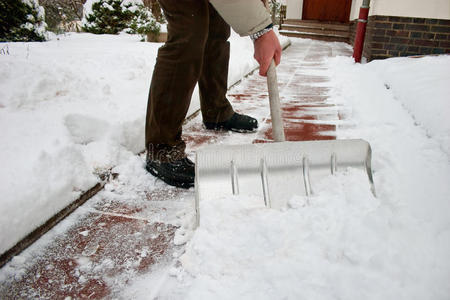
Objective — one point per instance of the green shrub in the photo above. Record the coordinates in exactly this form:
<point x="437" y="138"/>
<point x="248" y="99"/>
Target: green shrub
<point x="21" y="21"/>
<point x="143" y="22"/>
<point x="114" y="16"/>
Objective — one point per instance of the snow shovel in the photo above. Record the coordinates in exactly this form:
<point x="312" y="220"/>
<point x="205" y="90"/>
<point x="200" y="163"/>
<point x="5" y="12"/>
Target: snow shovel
<point x="274" y="171"/>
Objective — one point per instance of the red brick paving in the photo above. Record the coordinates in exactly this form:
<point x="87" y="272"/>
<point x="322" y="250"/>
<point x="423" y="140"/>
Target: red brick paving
<point x="129" y="230"/>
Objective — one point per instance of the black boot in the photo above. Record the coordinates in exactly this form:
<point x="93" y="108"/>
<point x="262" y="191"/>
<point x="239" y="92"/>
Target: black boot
<point x="179" y="173"/>
<point x="237" y="122"/>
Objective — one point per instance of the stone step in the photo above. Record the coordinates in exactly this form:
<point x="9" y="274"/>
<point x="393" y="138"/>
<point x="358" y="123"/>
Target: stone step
<point x="316" y="30"/>
<point x="317" y="24"/>
<point x="315" y="36"/>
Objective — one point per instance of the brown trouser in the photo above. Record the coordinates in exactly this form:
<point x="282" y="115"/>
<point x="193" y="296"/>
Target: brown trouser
<point x="196" y="51"/>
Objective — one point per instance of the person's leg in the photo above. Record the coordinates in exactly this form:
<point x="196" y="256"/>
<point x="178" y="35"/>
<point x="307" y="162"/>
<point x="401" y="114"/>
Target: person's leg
<point x="177" y="70"/>
<point x="216" y="109"/>
<point x="214" y="77"/>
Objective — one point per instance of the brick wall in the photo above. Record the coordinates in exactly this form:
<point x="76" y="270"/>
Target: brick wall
<point x="389" y="36"/>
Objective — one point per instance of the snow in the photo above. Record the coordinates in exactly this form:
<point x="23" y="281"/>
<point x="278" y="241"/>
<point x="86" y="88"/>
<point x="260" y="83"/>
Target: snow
<point x="425" y="97"/>
<point x="74" y="107"/>
<point x="342" y="242"/>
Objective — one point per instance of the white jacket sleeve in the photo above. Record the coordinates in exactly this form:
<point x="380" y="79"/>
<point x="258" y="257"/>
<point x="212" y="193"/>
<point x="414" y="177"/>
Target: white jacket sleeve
<point x="244" y="16"/>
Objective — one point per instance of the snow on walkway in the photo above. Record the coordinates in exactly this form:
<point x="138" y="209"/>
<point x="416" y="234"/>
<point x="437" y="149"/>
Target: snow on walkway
<point x="341" y="243"/>
<point x="134" y="240"/>
<point x="70" y="109"/>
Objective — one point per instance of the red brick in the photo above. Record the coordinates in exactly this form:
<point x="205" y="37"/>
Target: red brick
<point x="426" y="43"/>
<point x="381" y="39"/>
<point x="417" y="27"/>
<point x="397" y="40"/>
<point x="393" y="52"/>
<point x="381" y="56"/>
<point x="399" y="26"/>
<point x="377" y="45"/>
<point x="444" y="44"/>
<point x="438" y="51"/>
<point x="380" y="18"/>
<point x="443" y="37"/>
<point x="383" y="25"/>
<point x="400" y="33"/>
<point x="431" y="21"/>
<point x="429" y="36"/>
<point x="416" y="35"/>
<point x="426" y="50"/>
<point x="378" y="52"/>
<point x="379" y="32"/>
<point x="419" y="21"/>
<point x="441" y="29"/>
<point x="444" y="22"/>
<point x="396" y="19"/>
<point x="401" y="48"/>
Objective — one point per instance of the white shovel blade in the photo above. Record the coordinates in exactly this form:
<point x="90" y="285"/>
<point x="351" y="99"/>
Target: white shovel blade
<point x="275" y="171"/>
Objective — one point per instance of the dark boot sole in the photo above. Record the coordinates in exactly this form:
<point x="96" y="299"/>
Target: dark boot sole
<point x="223" y="129"/>
<point x="170" y="181"/>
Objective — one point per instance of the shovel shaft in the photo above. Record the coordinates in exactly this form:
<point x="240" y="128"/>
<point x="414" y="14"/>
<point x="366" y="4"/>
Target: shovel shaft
<point x="275" y="108"/>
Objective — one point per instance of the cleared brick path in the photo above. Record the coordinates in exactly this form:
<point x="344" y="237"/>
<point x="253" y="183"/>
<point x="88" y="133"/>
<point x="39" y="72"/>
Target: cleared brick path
<point x="128" y="229"/>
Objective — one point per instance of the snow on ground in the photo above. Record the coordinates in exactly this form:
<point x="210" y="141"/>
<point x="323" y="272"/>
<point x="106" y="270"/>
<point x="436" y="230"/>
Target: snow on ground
<point x="423" y="87"/>
<point x="71" y="108"/>
<point x="341" y="243"/>
<point x="75" y="105"/>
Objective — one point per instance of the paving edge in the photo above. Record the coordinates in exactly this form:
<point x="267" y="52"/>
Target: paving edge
<point x="62" y="214"/>
<point x="49" y="224"/>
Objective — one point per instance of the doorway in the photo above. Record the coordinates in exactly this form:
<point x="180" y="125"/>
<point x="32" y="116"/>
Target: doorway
<point x="327" y="10"/>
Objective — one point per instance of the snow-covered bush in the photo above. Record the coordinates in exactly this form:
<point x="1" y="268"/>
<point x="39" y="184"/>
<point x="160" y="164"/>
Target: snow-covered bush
<point x="22" y="20"/>
<point x="114" y="16"/>
<point x="61" y="13"/>
<point x="275" y="8"/>
<point x="144" y="22"/>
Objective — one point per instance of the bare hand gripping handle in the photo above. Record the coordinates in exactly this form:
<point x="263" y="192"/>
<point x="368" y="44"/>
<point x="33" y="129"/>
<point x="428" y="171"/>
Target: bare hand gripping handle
<point x="275" y="108"/>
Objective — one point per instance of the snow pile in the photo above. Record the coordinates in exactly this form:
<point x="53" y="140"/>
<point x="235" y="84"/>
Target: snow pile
<point x="307" y="251"/>
<point x="341" y="243"/>
<point x="73" y="107"/>
<point x="425" y="97"/>
<point x="411" y="168"/>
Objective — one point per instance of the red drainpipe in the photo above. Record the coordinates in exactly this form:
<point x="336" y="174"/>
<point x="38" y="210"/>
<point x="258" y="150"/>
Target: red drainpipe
<point x="361" y="31"/>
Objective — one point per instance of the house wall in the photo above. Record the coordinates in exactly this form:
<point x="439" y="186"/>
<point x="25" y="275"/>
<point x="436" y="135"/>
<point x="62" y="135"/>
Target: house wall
<point x="391" y="36"/>
<point x="433" y="9"/>
<point x="294" y="9"/>
<point x="404" y="28"/>
<point x="398" y="28"/>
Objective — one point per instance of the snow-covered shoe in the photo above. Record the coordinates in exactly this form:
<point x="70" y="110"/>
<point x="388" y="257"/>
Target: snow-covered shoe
<point x="237" y="122"/>
<point x="179" y="173"/>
